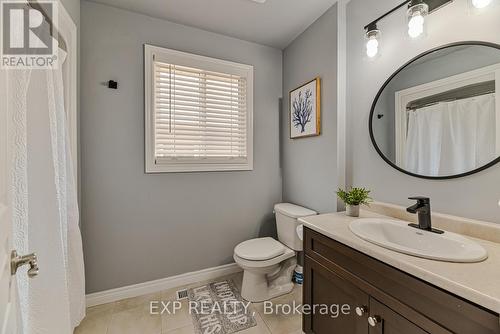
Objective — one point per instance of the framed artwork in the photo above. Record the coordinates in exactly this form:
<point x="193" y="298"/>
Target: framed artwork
<point x="305" y="110"/>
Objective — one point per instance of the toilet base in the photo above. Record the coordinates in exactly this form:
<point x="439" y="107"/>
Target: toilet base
<point x="266" y="283"/>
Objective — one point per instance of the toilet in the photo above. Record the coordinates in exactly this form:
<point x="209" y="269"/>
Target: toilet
<point x="268" y="264"/>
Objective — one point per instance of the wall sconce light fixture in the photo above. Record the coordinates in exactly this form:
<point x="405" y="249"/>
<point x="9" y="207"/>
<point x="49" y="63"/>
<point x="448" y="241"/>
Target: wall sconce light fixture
<point x="417" y="10"/>
<point x="372" y="36"/>
<point x="416" y="13"/>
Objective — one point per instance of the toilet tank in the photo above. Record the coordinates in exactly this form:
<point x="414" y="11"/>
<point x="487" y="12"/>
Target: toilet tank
<point x="287" y="216"/>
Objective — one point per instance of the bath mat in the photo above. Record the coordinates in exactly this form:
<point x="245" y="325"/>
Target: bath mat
<point x="218" y="308"/>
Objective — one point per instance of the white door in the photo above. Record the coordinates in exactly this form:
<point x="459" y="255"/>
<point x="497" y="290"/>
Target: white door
<point x="8" y="313"/>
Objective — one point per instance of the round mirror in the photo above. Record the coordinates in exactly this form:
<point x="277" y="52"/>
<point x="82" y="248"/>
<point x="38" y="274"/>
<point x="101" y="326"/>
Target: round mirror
<point x="438" y="116"/>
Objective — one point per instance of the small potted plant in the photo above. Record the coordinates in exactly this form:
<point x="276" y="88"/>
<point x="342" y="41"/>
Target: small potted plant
<point x="353" y="199"/>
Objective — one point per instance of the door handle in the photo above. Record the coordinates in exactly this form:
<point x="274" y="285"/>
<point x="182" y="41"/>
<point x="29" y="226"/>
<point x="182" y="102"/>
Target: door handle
<point x="17" y="261"/>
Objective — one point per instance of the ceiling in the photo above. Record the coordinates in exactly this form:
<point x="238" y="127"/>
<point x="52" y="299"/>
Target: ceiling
<point x="274" y="23"/>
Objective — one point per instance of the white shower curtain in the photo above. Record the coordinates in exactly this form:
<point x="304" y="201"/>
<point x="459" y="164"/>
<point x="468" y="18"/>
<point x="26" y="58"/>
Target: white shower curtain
<point x="451" y="137"/>
<point x="16" y="83"/>
<point x="45" y="205"/>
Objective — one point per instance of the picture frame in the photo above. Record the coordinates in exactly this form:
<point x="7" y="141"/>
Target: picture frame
<point x="305" y="110"/>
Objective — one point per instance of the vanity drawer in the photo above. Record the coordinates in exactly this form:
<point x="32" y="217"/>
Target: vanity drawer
<point x="430" y="307"/>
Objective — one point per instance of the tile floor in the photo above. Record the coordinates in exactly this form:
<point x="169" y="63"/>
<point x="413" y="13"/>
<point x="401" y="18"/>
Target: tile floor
<point x="132" y="316"/>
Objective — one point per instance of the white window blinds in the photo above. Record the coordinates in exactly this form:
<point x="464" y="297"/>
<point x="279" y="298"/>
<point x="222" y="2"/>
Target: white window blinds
<point x="200" y="114"/>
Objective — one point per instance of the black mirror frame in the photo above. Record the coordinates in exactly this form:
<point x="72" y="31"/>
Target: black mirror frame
<point x="374" y="104"/>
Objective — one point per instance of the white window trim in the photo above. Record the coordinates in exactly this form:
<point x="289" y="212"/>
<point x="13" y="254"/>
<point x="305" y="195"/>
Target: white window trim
<point x="403" y="97"/>
<point x="153" y="165"/>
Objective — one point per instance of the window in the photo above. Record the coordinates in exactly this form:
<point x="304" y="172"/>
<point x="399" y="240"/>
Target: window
<point x="198" y="113"/>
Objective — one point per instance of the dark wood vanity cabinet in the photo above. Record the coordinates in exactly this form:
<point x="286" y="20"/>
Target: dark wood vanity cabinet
<point x="380" y="298"/>
<point x="326" y="288"/>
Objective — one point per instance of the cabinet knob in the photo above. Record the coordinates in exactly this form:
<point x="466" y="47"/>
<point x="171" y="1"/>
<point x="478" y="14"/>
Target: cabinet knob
<point x="374" y="320"/>
<point x="361" y="310"/>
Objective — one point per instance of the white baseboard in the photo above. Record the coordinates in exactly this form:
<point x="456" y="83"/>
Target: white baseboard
<point x="140" y="289"/>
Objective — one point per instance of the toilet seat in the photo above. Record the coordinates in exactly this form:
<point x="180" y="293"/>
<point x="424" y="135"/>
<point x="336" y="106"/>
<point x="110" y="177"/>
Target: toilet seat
<point x="253" y="264"/>
<point x="260" y="249"/>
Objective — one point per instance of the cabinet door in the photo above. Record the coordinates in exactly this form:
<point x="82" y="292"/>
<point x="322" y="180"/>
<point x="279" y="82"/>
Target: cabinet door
<point x="383" y="320"/>
<point x="323" y="287"/>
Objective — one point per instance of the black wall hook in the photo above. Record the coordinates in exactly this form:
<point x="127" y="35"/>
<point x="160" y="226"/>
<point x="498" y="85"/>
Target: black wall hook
<point x="112" y="84"/>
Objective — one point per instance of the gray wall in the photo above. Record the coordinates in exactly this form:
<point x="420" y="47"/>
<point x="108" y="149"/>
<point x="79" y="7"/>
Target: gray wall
<point x="475" y="196"/>
<point x="309" y="164"/>
<point x="138" y="227"/>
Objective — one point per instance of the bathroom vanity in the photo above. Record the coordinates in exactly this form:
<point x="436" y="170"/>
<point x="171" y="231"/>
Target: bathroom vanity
<point x="394" y="293"/>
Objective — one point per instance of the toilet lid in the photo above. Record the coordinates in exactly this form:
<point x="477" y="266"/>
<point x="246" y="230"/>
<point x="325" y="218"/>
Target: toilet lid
<point x="259" y="249"/>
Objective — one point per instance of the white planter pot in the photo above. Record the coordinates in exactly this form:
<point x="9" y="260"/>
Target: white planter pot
<point x="352" y="210"/>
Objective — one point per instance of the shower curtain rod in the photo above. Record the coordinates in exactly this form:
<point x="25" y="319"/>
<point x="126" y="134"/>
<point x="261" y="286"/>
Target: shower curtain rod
<point x="479" y="89"/>
<point x="54" y="32"/>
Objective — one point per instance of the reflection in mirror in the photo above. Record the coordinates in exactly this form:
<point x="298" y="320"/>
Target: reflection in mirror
<point x="440" y="115"/>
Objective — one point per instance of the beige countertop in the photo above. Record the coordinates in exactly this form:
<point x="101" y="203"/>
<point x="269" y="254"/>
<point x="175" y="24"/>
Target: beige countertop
<point x="476" y="282"/>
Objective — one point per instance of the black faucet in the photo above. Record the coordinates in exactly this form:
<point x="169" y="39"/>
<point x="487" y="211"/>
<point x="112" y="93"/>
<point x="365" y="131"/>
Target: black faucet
<point x="423" y="209"/>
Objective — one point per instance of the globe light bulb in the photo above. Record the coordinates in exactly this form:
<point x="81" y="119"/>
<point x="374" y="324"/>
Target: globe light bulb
<point x="417" y="10"/>
<point x="372" y="35"/>
<point x="372" y="47"/>
<point x="416" y="25"/>
<point x="480" y="4"/>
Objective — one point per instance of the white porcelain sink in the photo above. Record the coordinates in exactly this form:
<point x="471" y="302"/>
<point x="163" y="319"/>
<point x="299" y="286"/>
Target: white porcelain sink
<point x="398" y="236"/>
